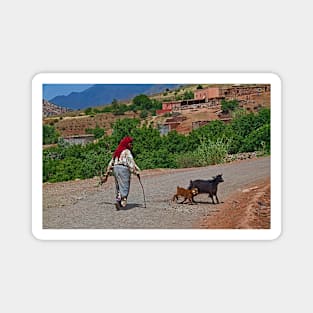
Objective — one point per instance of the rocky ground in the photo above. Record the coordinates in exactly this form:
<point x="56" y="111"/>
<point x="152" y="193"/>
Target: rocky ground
<point x="248" y="209"/>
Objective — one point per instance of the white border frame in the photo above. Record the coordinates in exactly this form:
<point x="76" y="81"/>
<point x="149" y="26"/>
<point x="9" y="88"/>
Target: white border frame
<point x="156" y="78"/>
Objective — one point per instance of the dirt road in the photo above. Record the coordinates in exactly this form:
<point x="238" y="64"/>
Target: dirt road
<point x="82" y="204"/>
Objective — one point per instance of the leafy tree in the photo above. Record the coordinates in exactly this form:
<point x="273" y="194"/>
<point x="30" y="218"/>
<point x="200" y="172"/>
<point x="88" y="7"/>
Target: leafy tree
<point x="132" y="107"/>
<point x="160" y="158"/>
<point x="142" y="102"/>
<point x="230" y="105"/>
<point x="212" y="131"/>
<point x="122" y="128"/>
<point x="117" y="108"/>
<point x="156" y="104"/>
<point x="212" y="152"/>
<point x="143" y="114"/>
<point x="175" y="142"/>
<point x="203" y="146"/>
<point x="89" y="111"/>
<point x="237" y="113"/>
<point x="259" y="139"/>
<point x="48" y="168"/>
<point x="263" y="117"/>
<point x="50" y="135"/>
<point x="97" y="131"/>
<point x="75" y="161"/>
<point x="107" y="109"/>
<point x="188" y="95"/>
<point x="244" y="124"/>
<point x="145" y="139"/>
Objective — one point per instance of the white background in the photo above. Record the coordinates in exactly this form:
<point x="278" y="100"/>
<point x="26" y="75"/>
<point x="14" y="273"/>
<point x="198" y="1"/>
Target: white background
<point x="159" y="36"/>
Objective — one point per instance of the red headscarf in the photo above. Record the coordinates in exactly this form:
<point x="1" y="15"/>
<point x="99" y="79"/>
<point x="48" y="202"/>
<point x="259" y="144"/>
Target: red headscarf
<point x="122" y="146"/>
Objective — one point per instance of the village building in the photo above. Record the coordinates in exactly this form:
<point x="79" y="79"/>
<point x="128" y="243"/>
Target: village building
<point x="162" y="112"/>
<point x="213" y="96"/>
<point x="198" y="124"/>
<point x="171" y="124"/>
<point x="171" y="106"/>
<point x="208" y="93"/>
<point x="241" y="90"/>
<point x="79" y="139"/>
<point x="251" y="96"/>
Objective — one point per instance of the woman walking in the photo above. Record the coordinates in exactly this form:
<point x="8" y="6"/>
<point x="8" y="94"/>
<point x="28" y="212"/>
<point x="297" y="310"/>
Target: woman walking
<point x="122" y="165"/>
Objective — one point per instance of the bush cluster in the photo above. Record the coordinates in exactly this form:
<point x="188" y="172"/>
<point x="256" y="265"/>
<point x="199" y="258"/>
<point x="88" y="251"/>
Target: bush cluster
<point x="49" y="134"/>
<point x="140" y="103"/>
<point x="206" y="145"/>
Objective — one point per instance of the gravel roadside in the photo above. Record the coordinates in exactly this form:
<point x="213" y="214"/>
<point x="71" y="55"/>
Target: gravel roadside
<point x="83" y="204"/>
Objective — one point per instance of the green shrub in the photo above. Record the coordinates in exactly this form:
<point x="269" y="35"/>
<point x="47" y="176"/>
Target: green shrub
<point x="156" y="159"/>
<point x="187" y="160"/>
<point x="212" y="152"/>
<point x="188" y="95"/>
<point x="143" y="114"/>
<point x="204" y="146"/>
<point x="89" y="111"/>
<point x="97" y="131"/>
<point x="49" y="134"/>
<point x="142" y="102"/>
<point x="258" y="140"/>
<point x="230" y="105"/>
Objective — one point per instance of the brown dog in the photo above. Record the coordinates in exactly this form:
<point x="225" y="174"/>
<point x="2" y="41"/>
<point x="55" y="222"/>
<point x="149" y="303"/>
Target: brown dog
<point x="187" y="194"/>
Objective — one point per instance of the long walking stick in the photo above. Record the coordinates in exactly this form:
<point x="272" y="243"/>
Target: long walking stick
<point x="143" y="191"/>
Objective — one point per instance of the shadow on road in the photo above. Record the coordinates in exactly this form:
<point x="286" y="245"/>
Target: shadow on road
<point x="129" y="206"/>
<point x="208" y="202"/>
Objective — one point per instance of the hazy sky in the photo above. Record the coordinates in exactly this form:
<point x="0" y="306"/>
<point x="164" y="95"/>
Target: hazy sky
<point x="52" y="90"/>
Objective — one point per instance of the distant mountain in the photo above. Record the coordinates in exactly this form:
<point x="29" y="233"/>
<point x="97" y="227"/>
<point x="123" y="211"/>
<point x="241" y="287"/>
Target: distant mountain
<point x="104" y="94"/>
<point x="50" y="109"/>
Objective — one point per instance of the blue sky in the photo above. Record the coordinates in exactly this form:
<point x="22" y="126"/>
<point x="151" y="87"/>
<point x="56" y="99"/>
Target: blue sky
<point x="52" y="90"/>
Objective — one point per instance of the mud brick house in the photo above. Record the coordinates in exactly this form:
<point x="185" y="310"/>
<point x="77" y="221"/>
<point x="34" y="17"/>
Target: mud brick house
<point x="198" y="124"/>
<point x="252" y="97"/>
<point x="176" y="119"/>
<point x="79" y="139"/>
<point x="179" y="105"/>
<point x="213" y="96"/>
<point x="162" y="112"/>
<point x="168" y="107"/>
<point x="208" y="93"/>
<point x="171" y="105"/>
<point x="237" y="91"/>
<point x="230" y="93"/>
<point x="171" y="124"/>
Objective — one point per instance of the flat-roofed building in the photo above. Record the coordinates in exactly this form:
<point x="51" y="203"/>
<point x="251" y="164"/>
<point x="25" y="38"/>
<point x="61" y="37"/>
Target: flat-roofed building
<point x="207" y="93"/>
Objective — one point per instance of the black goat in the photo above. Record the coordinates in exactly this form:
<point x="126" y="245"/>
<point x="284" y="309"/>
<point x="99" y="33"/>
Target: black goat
<point x="207" y="186"/>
